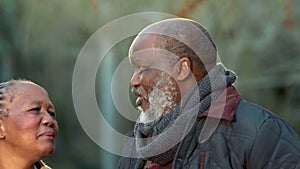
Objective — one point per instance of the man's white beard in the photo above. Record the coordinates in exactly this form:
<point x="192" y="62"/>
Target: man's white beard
<point x="160" y="100"/>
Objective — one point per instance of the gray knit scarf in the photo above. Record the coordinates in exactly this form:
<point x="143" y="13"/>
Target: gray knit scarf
<point x="157" y="141"/>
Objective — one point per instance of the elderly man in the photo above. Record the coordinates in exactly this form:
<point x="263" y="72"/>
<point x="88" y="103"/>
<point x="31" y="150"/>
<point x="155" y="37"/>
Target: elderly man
<point x="191" y="114"/>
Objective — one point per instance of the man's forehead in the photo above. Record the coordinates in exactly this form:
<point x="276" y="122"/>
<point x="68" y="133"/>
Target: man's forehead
<point x="144" y="41"/>
<point x="144" y="56"/>
<point x="146" y="50"/>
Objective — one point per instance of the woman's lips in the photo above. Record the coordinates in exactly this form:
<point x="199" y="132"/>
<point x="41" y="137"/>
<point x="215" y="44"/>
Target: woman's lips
<point x="49" y="134"/>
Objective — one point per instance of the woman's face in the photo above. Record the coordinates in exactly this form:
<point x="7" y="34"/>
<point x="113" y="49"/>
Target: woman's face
<point x="31" y="127"/>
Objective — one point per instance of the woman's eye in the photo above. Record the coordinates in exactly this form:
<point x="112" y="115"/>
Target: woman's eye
<point x="35" y="110"/>
<point x="52" y="114"/>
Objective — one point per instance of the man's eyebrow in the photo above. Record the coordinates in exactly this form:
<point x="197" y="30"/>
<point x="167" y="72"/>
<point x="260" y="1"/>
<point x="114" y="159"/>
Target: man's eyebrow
<point x="138" y="63"/>
<point x="134" y="62"/>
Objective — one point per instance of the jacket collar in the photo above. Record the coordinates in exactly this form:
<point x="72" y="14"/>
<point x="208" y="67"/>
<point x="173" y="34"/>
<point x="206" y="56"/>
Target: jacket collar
<point x="225" y="105"/>
<point x="41" y="165"/>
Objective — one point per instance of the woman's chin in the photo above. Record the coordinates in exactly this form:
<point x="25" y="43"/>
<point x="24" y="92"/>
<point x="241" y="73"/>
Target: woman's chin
<point x="47" y="150"/>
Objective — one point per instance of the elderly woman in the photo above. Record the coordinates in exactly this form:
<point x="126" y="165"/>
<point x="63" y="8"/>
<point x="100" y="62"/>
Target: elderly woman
<point x="27" y="125"/>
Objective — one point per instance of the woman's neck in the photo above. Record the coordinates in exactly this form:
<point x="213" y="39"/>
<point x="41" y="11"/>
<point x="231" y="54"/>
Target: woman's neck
<point x="10" y="160"/>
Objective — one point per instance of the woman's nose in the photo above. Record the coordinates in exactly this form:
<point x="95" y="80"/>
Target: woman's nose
<point x="48" y="120"/>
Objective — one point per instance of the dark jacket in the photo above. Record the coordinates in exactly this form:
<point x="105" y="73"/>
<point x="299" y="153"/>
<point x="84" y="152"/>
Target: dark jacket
<point x="247" y="137"/>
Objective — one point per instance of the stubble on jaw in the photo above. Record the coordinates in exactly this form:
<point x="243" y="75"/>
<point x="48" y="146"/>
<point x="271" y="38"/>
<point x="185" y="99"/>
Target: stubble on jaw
<point x="162" y="99"/>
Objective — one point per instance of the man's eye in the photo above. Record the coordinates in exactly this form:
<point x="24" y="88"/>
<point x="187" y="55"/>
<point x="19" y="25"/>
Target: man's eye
<point x="142" y="70"/>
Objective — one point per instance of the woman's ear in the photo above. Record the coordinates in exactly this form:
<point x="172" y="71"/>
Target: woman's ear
<point x="183" y="68"/>
<point x="2" y="130"/>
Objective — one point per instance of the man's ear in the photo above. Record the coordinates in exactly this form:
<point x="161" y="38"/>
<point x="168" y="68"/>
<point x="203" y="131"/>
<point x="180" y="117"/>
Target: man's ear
<point x="183" y="68"/>
<point x="2" y="130"/>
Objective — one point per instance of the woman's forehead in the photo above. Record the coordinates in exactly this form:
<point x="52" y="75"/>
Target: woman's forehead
<point x="28" y="92"/>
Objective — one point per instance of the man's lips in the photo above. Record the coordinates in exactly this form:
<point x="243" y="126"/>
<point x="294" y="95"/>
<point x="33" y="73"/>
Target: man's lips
<point x="139" y="101"/>
<point x="140" y="96"/>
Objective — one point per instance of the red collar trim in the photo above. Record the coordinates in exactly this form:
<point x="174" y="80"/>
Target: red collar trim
<point x="225" y="105"/>
<point x="159" y="166"/>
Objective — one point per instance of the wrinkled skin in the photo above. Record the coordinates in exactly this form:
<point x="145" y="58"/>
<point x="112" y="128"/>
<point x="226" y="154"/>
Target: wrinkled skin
<point x="153" y="81"/>
<point x="31" y="128"/>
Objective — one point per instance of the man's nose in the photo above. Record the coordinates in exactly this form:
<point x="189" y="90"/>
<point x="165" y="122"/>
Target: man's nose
<point x="135" y="79"/>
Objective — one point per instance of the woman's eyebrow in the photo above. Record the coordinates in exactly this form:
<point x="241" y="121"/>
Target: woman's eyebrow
<point x="38" y="102"/>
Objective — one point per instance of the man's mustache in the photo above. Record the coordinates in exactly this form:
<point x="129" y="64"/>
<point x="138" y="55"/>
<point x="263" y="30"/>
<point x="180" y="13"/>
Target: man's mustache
<point x="136" y="91"/>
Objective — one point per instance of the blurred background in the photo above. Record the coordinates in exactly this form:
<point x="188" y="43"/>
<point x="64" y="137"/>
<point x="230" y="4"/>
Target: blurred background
<point x="40" y="40"/>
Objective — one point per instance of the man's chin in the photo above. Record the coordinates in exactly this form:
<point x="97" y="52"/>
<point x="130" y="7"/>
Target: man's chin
<point x="143" y="107"/>
<point x="140" y="108"/>
<point x="148" y="116"/>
